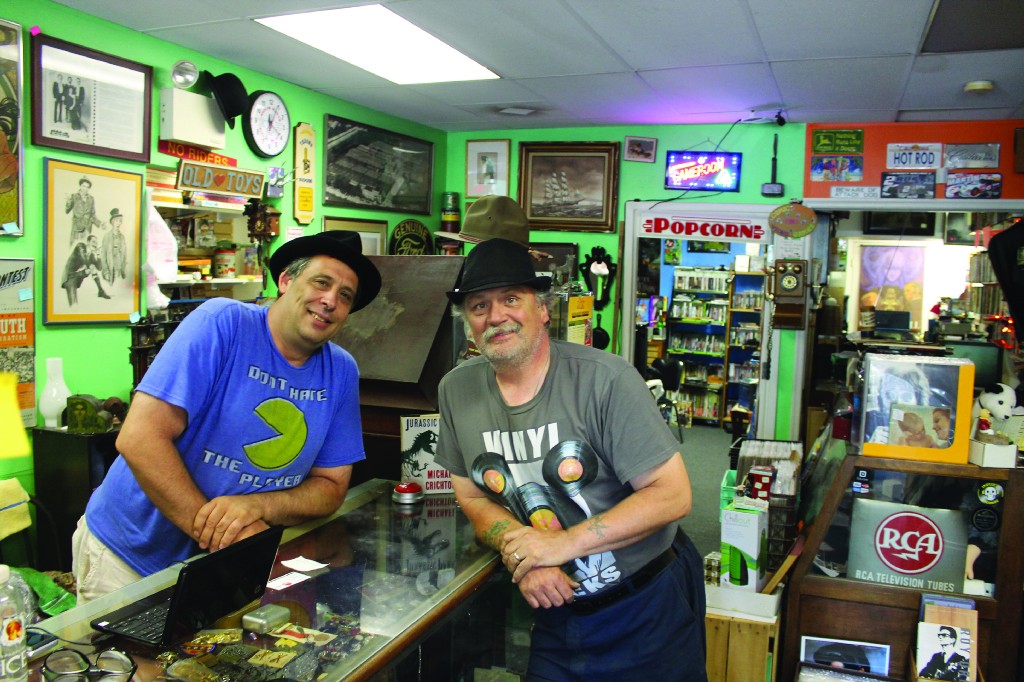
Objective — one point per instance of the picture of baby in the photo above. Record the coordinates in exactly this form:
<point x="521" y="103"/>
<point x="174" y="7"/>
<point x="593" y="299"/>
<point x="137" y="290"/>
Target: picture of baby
<point x="919" y="426"/>
<point x="911" y="432"/>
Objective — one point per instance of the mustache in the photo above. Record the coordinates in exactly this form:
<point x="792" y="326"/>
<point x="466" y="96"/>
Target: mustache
<point x="507" y="328"/>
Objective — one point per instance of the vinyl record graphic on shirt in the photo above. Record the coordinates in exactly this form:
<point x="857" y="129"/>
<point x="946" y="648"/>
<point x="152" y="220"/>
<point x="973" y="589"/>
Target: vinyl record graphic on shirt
<point x="491" y="474"/>
<point x="570" y="466"/>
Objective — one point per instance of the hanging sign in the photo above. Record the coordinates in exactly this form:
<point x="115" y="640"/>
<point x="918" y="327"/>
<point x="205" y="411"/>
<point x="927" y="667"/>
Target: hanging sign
<point x="924" y="155"/>
<point x="305" y="172"/>
<point x="187" y="151"/>
<point x="203" y="177"/>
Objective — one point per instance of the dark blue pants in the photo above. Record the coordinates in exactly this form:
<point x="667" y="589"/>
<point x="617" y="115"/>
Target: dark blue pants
<point x="655" y="634"/>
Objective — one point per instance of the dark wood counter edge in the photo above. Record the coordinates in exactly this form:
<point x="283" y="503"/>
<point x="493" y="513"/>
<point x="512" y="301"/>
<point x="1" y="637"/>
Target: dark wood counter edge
<point x="386" y="654"/>
<point x="1011" y="559"/>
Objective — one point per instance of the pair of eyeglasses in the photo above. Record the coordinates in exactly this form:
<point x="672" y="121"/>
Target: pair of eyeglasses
<point x="69" y="665"/>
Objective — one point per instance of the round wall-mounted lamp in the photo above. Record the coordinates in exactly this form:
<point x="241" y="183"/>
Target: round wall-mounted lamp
<point x="979" y="86"/>
<point x="184" y="74"/>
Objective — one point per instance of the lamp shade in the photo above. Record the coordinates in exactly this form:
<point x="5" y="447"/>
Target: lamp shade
<point x="14" y="442"/>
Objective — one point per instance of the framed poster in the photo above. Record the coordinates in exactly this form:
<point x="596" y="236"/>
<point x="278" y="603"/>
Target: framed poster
<point x="372" y="233"/>
<point x="892" y="278"/>
<point x="11" y="127"/>
<point x="89" y="101"/>
<point x="17" y="330"/>
<point x="93" y="219"/>
<point x="486" y="167"/>
<point x="558" y="261"/>
<point x="569" y="185"/>
<point x="369" y="167"/>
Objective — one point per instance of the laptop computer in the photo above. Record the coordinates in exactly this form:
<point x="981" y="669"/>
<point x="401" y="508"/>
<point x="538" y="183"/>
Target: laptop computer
<point x="208" y="587"/>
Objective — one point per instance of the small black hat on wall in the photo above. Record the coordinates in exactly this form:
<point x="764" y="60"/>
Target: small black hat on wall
<point x="230" y="94"/>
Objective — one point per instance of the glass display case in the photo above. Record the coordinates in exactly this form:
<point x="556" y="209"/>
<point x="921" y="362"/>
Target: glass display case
<point x="393" y="577"/>
<point x="883" y="532"/>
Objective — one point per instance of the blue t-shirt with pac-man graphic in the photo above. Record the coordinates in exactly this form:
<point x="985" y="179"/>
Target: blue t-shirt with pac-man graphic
<point x="255" y="424"/>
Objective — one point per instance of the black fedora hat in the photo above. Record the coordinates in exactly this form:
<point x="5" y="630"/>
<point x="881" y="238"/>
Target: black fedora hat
<point x="498" y="263"/>
<point x="230" y="94"/>
<point x="338" y="244"/>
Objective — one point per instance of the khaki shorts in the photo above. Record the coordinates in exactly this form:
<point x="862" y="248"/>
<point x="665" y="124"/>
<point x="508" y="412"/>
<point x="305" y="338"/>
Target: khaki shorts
<point x="97" y="569"/>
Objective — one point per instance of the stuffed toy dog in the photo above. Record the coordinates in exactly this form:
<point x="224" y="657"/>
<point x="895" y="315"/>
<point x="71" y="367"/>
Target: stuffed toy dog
<point x="998" y="399"/>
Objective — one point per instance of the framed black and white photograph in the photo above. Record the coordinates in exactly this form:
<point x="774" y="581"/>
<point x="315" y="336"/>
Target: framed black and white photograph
<point x="569" y="185"/>
<point x="558" y="261"/>
<point x="373" y="234"/>
<point x="93" y="219"/>
<point x="487" y="167"/>
<point x="11" y="127"/>
<point x="864" y="657"/>
<point x="369" y="167"/>
<point x="641" y="149"/>
<point x="90" y="101"/>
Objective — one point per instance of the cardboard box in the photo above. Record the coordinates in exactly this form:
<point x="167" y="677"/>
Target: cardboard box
<point x="745" y="543"/>
<point x="418" y="437"/>
<point x="897" y="384"/>
<point x="992" y="455"/>
<point x="742" y="604"/>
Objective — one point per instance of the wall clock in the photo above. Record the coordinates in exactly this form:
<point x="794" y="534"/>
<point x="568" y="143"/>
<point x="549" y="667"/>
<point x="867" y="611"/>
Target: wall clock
<point x="266" y="124"/>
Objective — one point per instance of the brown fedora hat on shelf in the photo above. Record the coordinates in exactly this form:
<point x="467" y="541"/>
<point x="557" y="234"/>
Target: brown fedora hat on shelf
<point x="230" y="95"/>
<point x="493" y="216"/>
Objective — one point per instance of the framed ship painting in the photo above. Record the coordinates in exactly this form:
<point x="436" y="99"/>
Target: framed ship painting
<point x="569" y="185"/>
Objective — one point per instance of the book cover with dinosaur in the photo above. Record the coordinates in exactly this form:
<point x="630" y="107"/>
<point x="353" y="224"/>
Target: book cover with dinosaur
<point x="418" y="438"/>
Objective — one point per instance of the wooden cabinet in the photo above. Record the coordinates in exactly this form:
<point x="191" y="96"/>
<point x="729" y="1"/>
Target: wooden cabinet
<point x="68" y="467"/>
<point x="841" y="608"/>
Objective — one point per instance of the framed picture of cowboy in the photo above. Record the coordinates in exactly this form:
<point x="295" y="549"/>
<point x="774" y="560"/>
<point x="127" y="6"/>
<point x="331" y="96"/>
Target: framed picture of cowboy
<point x="93" y="220"/>
<point x="89" y="101"/>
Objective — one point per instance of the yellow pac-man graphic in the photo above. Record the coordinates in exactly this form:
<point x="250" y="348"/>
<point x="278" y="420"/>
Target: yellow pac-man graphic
<point x="290" y="425"/>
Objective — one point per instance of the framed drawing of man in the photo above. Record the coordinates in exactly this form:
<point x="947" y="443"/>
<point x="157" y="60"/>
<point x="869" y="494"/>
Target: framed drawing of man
<point x="93" y="222"/>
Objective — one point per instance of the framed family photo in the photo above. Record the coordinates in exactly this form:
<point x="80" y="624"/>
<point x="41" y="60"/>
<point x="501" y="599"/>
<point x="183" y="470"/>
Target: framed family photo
<point x="90" y="101"/>
<point x="11" y="127"/>
<point x="369" y="167"/>
<point x="93" y="219"/>
<point x="486" y="167"/>
<point x="569" y="185"/>
<point x="372" y="233"/>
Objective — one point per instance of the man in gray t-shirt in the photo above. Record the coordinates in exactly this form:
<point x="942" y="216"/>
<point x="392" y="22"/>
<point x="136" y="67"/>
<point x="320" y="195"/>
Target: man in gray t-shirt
<point x="562" y="462"/>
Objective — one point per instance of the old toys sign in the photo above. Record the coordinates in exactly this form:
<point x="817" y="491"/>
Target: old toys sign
<point x="223" y="180"/>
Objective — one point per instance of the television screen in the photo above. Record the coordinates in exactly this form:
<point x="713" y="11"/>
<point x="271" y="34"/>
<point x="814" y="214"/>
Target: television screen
<point x="714" y="171"/>
<point x="900" y="223"/>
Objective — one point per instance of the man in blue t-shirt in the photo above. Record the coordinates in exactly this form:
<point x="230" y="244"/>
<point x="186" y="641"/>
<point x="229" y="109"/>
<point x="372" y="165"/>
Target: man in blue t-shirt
<point x="247" y="418"/>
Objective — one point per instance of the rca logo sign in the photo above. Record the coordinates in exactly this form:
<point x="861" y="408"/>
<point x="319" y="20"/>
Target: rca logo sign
<point x="908" y="542"/>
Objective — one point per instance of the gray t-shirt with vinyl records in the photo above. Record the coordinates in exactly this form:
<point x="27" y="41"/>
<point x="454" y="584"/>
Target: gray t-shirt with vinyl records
<point x="565" y="455"/>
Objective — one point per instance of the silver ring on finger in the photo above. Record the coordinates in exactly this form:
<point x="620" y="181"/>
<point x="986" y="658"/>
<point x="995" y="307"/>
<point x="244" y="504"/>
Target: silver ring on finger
<point x="515" y="555"/>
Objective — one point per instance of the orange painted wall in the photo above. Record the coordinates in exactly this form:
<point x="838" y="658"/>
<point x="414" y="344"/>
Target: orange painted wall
<point x="878" y="135"/>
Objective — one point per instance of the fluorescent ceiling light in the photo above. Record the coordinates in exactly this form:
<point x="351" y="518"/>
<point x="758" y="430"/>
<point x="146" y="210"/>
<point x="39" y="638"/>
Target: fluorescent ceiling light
<point x="376" y="39"/>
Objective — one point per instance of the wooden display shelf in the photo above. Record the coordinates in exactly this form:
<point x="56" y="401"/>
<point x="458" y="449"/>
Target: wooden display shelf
<point x="740" y="649"/>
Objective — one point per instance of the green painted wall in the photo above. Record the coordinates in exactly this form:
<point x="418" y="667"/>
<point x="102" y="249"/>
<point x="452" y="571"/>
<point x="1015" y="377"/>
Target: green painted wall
<point x="644" y="181"/>
<point x="96" y="356"/>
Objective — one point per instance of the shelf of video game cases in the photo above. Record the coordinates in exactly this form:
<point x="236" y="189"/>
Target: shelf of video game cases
<point x="697" y="323"/>
<point x="746" y="303"/>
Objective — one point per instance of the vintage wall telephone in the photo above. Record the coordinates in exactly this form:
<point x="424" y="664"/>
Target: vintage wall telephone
<point x="787" y="289"/>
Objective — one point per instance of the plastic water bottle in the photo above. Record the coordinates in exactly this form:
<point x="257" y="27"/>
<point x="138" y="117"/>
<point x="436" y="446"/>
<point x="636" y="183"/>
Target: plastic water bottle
<point x="13" y="656"/>
<point x="28" y="598"/>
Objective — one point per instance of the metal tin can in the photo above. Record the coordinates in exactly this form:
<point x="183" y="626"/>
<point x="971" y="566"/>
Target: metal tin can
<point x="224" y="263"/>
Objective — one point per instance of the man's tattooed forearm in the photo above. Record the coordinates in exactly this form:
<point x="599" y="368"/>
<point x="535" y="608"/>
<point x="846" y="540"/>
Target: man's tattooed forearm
<point x="492" y="536"/>
<point x="597" y="525"/>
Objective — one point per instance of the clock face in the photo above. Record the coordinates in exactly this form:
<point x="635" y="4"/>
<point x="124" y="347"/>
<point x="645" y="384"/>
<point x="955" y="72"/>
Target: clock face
<point x="266" y="124"/>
